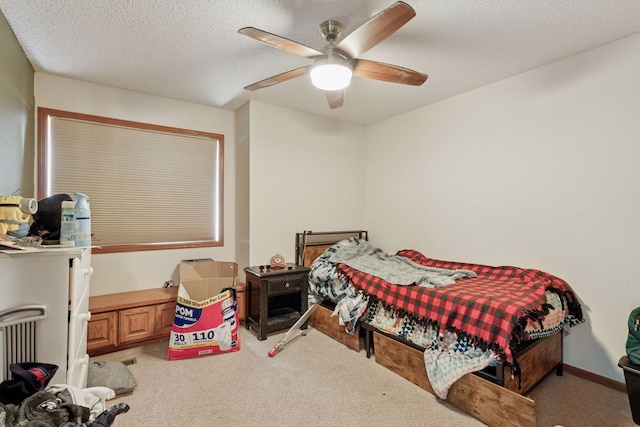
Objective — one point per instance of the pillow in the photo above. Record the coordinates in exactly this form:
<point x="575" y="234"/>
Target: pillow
<point x="111" y="374"/>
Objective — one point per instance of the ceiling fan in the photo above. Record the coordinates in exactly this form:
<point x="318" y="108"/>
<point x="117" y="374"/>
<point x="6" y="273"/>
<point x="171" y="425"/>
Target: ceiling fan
<point x="332" y="68"/>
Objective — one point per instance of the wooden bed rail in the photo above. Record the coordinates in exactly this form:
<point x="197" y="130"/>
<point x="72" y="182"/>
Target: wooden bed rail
<point x="485" y="401"/>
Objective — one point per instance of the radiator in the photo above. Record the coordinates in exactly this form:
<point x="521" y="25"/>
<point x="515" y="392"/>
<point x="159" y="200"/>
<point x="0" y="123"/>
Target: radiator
<point x="18" y="335"/>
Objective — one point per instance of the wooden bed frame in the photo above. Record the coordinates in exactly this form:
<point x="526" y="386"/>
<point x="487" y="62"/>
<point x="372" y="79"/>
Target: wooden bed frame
<point x="309" y="246"/>
<point x="494" y="398"/>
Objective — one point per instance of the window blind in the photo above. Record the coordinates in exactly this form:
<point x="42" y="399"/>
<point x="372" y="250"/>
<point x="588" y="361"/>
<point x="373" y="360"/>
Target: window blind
<point x="145" y="186"/>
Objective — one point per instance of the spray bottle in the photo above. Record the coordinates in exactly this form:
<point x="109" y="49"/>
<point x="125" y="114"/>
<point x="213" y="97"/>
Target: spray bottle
<point x="83" y="220"/>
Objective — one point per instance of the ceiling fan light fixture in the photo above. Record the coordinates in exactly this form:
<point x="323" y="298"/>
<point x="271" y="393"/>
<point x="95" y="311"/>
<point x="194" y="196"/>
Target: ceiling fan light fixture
<point x="333" y="67"/>
<point x="332" y="72"/>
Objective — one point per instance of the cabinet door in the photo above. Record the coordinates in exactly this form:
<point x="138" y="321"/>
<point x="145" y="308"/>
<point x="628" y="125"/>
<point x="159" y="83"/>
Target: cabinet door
<point x="102" y="331"/>
<point x="137" y="324"/>
<point x="165" y="314"/>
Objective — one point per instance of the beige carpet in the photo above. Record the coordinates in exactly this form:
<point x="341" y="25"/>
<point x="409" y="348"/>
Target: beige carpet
<point x="315" y="381"/>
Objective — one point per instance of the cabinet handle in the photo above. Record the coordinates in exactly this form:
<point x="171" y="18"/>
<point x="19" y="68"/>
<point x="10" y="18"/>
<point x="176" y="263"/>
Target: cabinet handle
<point x="286" y="285"/>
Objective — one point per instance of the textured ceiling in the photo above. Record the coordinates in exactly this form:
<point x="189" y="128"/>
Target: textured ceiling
<point x="191" y="50"/>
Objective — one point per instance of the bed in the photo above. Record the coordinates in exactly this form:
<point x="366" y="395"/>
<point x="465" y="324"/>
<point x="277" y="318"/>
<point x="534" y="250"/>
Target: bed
<point x="479" y="337"/>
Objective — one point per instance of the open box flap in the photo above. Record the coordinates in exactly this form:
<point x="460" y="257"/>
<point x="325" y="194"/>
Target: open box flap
<point x="202" y="280"/>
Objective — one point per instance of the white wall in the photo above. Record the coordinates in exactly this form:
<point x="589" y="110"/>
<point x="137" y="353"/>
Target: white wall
<point x="243" y="208"/>
<point x="539" y="170"/>
<point x="16" y="116"/>
<point x="305" y="174"/>
<point x="143" y="270"/>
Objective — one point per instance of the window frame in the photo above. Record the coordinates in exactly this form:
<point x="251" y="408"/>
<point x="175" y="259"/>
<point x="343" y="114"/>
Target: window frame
<point x="42" y="173"/>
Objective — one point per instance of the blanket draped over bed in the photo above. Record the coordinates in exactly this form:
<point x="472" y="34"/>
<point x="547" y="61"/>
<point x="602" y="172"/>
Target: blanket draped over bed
<point x="486" y="307"/>
<point x="396" y="269"/>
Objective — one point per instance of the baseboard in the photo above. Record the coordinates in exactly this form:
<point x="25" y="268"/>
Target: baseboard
<point x="598" y="379"/>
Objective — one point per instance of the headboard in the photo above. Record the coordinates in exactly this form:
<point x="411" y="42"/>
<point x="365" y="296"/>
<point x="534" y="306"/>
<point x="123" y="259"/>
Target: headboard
<point x="310" y="245"/>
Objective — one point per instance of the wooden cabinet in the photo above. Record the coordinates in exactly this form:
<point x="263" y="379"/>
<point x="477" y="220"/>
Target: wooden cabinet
<point x="129" y="319"/>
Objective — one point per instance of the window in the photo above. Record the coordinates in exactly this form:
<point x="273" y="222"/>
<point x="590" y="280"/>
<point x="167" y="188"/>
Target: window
<point x="149" y="187"/>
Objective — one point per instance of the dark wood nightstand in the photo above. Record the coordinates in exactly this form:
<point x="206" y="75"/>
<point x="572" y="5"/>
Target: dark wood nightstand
<point x="276" y="298"/>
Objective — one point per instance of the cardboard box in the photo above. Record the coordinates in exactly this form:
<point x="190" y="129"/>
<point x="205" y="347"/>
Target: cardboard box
<point x="206" y="320"/>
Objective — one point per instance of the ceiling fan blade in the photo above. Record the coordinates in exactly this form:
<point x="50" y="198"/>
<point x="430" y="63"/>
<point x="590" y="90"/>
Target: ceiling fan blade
<point x="376" y="29"/>
<point x="280" y="42"/>
<point x="388" y="73"/>
<point x="279" y="78"/>
<point x="335" y="98"/>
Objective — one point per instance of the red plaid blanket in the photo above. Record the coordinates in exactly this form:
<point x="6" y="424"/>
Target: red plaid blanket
<point x="491" y="309"/>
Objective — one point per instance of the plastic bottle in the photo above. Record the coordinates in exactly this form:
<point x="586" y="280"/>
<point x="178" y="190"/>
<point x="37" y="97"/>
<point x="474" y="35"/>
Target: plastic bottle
<point x="68" y="224"/>
<point x="83" y="220"/>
